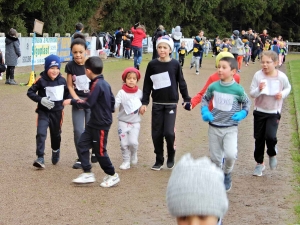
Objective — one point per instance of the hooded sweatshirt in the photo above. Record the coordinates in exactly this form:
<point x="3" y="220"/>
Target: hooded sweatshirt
<point x="176" y="35"/>
<point x="38" y="90"/>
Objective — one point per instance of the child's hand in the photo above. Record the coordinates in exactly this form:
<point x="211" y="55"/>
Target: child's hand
<point x="143" y="109"/>
<point x="238" y="116"/>
<point x="187" y="106"/>
<point x="278" y="96"/>
<point x="261" y="86"/>
<point x="206" y="114"/>
<point x="67" y="102"/>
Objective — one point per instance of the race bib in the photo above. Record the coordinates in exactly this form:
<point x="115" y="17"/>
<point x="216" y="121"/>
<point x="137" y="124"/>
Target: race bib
<point x="55" y="93"/>
<point x="161" y="80"/>
<point x="132" y="105"/>
<point x="182" y="52"/>
<point x="82" y="83"/>
<point x="223" y="101"/>
<point x="195" y="50"/>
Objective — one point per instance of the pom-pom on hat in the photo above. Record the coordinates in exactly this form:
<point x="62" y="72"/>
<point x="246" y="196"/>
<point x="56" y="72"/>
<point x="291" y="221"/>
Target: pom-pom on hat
<point x="131" y="69"/>
<point x="196" y="187"/>
<point x="50" y="61"/>
<point x="165" y="39"/>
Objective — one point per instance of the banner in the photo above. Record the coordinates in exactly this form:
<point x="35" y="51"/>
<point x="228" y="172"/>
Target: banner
<point x="63" y="49"/>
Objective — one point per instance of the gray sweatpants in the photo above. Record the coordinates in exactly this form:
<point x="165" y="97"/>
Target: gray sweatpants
<point x="129" y="139"/>
<point x="80" y="117"/>
<point x="195" y="60"/>
<point x="223" y="143"/>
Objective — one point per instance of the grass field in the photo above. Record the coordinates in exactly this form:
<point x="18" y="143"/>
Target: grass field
<point x="293" y="71"/>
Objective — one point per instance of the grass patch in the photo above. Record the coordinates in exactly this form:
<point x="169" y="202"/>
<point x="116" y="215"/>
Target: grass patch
<point x="293" y="72"/>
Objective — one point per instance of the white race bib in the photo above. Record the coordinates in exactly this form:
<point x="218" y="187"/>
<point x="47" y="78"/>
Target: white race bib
<point x="82" y="83"/>
<point x="55" y="93"/>
<point x="161" y="80"/>
<point x="222" y="101"/>
<point x="132" y="105"/>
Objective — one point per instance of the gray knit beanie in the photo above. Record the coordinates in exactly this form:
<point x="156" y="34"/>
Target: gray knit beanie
<point x="196" y="187"/>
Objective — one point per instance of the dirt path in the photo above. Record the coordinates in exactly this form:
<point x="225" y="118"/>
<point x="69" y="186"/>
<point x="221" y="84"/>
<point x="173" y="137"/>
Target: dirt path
<point x="29" y="196"/>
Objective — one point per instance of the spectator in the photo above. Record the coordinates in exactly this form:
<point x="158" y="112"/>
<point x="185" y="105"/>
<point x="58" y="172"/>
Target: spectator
<point x="176" y="35"/>
<point x="12" y="53"/>
<point x="139" y="33"/>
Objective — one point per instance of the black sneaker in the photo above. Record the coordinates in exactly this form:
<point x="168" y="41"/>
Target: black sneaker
<point x="7" y="81"/>
<point x="55" y="156"/>
<point x="39" y="163"/>
<point x="157" y="166"/>
<point x="77" y="165"/>
<point x="138" y="67"/>
<point x="94" y="158"/>
<point x="170" y="163"/>
<point x="191" y="66"/>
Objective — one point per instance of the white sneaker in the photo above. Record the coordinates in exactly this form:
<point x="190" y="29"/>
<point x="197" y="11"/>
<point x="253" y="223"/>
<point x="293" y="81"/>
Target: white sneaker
<point x="134" y="158"/>
<point x="110" y="181"/>
<point x="125" y="166"/>
<point x="85" y="178"/>
<point x="1" y="78"/>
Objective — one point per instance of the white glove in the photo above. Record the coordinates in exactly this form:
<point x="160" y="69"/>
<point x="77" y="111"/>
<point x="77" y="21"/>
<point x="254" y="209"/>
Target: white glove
<point x="47" y="103"/>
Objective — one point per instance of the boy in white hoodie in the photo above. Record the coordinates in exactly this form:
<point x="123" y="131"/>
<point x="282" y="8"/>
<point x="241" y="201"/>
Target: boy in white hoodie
<point x="176" y="36"/>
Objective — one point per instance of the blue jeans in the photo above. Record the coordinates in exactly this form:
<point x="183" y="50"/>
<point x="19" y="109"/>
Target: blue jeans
<point x="137" y="55"/>
<point x="176" y="47"/>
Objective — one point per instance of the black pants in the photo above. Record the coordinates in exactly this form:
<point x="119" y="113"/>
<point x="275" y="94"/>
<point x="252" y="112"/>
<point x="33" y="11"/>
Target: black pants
<point x="163" y="126"/>
<point x="154" y="53"/>
<point x="181" y="59"/>
<point x="97" y="140"/>
<point x="265" y="131"/>
<point x="53" y="120"/>
<point x="10" y="72"/>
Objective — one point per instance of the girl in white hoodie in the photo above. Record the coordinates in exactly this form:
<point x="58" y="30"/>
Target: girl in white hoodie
<point x="176" y="36"/>
<point x="128" y="100"/>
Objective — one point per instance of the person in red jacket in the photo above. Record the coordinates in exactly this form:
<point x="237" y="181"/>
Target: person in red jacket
<point x="139" y="33"/>
<point x="212" y="78"/>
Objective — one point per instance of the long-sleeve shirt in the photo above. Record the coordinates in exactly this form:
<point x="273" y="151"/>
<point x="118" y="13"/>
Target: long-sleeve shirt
<point x="123" y="98"/>
<point x="268" y="103"/>
<point x="101" y="101"/>
<point x="228" y="98"/>
<point x="56" y="89"/>
<point x="169" y="78"/>
<point x="138" y="37"/>
<point x="212" y="78"/>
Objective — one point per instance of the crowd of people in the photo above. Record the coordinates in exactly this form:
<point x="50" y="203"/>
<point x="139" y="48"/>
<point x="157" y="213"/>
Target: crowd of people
<point x="196" y="191"/>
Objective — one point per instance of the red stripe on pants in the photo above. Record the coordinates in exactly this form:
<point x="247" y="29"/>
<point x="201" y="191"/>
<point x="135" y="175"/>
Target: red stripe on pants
<point x="101" y="142"/>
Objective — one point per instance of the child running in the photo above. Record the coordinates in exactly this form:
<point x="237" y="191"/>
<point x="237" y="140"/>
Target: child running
<point x="182" y="53"/>
<point x="78" y="84"/>
<point x="101" y="102"/>
<point x="269" y="87"/>
<point x="49" y="91"/>
<point x="197" y="53"/>
<point x="230" y="105"/>
<point x="195" y="192"/>
<point x="128" y="100"/>
<point x="163" y="78"/>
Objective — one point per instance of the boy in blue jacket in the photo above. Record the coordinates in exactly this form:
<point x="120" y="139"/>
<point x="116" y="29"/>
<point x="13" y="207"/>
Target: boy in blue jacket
<point x="101" y="101"/>
<point x="49" y="91"/>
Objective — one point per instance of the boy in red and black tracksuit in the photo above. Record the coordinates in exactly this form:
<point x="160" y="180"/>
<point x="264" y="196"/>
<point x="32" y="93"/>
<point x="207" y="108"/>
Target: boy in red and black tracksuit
<point x="49" y="91"/>
<point x="101" y="101"/>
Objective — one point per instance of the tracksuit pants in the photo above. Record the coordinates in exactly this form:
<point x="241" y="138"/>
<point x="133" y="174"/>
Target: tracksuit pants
<point x="163" y="126"/>
<point x="53" y="120"/>
<point x="97" y="140"/>
<point x="265" y="131"/>
<point x="223" y="143"/>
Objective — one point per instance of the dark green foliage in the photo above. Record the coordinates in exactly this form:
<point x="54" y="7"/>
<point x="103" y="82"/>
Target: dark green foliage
<point x="213" y="16"/>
